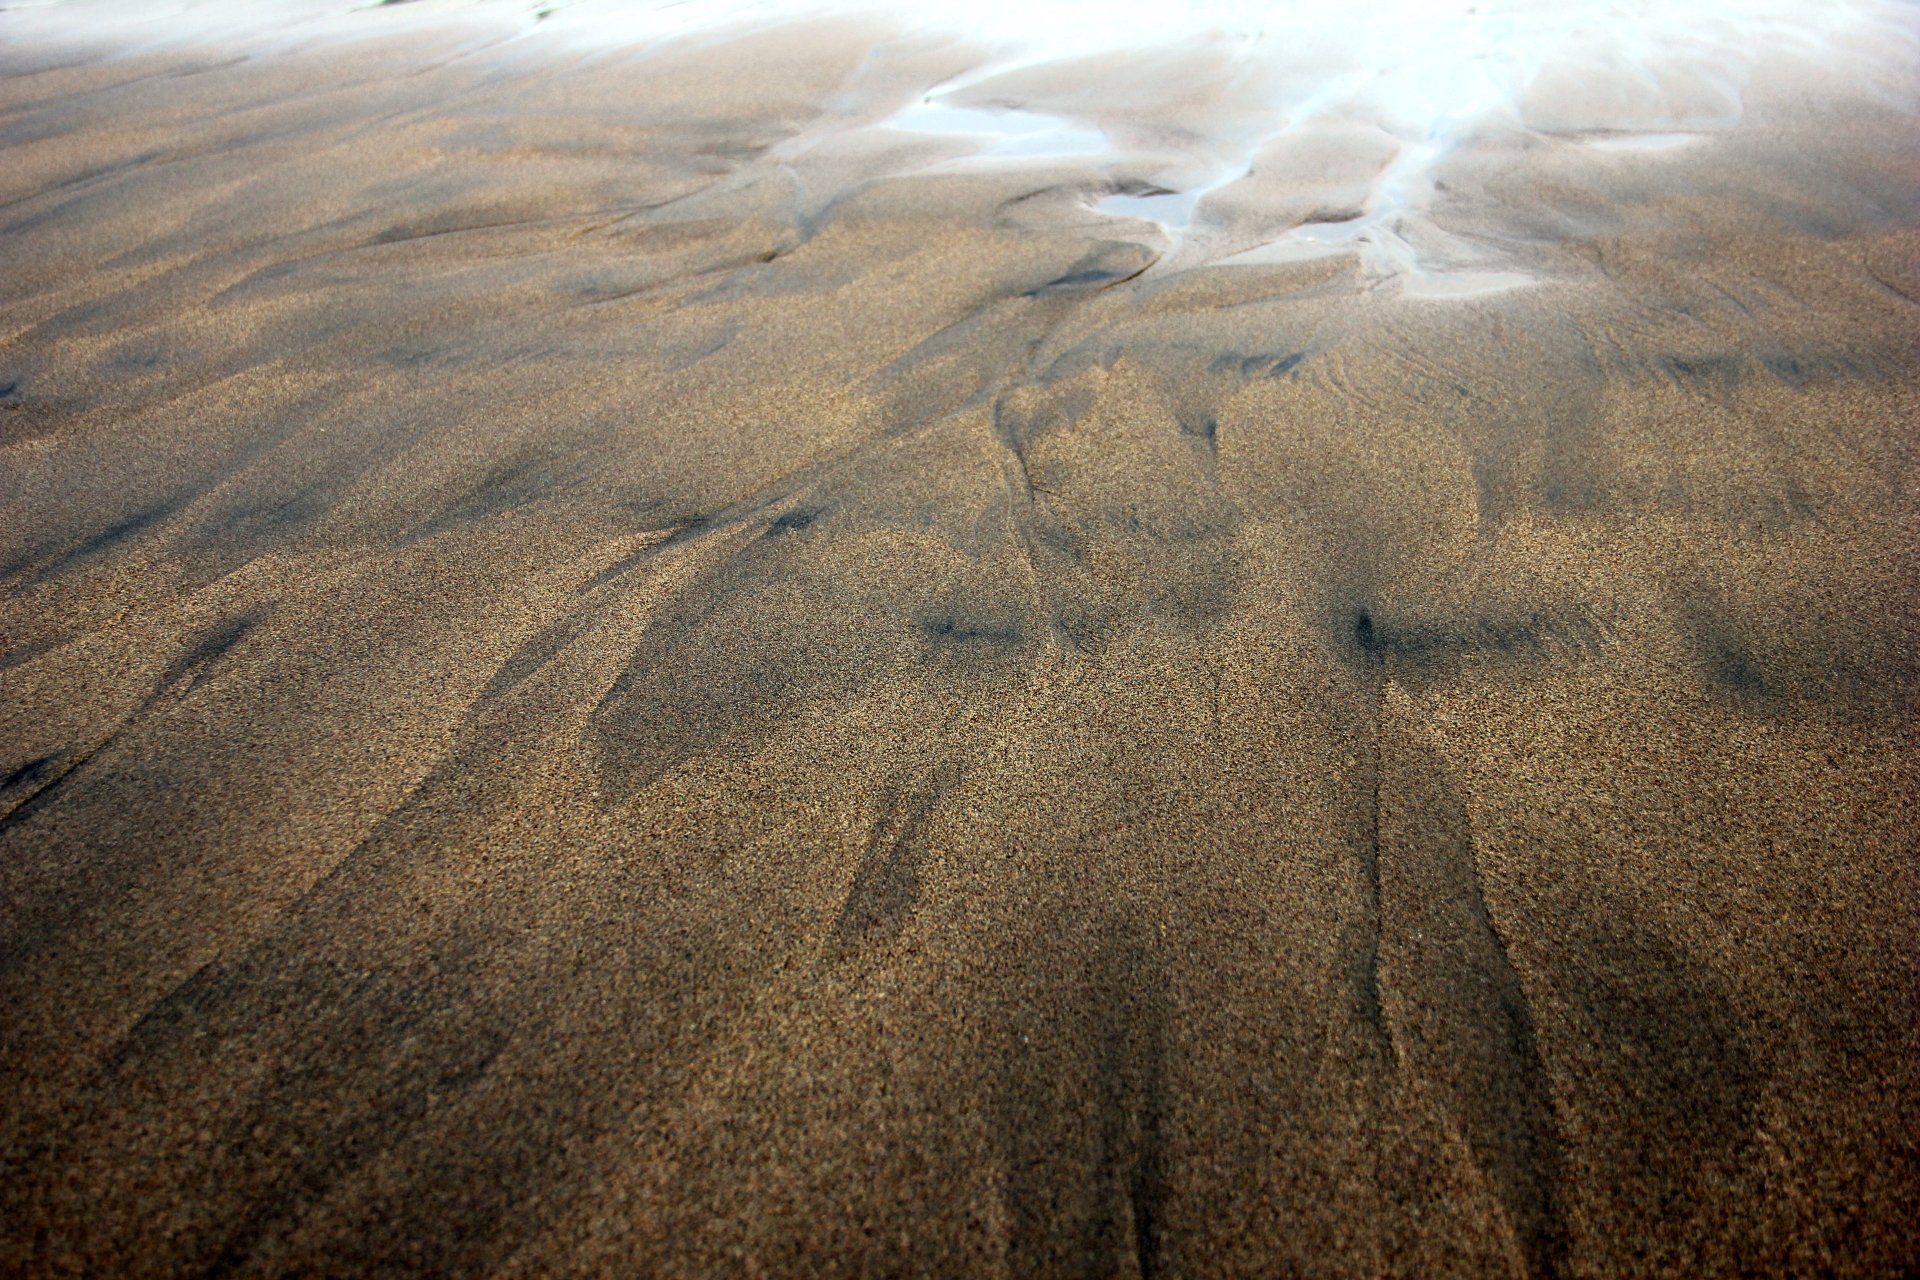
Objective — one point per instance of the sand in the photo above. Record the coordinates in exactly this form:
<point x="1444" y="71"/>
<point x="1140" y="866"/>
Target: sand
<point x="588" y="690"/>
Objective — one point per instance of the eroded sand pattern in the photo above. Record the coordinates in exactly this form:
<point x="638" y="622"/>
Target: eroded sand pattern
<point x="821" y="649"/>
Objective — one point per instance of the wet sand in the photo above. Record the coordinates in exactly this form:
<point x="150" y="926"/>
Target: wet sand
<point x="590" y="689"/>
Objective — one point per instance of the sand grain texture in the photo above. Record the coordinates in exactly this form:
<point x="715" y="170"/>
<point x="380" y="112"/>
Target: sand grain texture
<point x="602" y="676"/>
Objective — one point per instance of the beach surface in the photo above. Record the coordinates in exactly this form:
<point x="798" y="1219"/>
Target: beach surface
<point x="620" y="660"/>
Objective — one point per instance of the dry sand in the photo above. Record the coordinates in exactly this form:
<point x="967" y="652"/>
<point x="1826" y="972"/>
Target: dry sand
<point x="586" y="695"/>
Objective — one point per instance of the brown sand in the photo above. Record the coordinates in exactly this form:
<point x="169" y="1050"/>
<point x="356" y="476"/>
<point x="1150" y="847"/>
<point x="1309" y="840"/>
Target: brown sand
<point x="580" y="700"/>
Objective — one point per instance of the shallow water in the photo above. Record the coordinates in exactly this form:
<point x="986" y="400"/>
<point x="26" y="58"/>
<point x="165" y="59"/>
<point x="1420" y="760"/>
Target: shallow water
<point x="1188" y="110"/>
<point x="1005" y="132"/>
